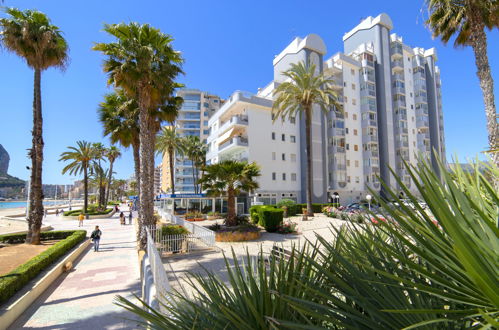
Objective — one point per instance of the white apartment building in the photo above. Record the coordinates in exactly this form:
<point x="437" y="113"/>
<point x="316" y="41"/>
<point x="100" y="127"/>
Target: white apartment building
<point x="193" y="118"/>
<point x="392" y="112"/>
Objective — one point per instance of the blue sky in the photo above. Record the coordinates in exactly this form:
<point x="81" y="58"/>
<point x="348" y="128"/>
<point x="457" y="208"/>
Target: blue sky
<point x="227" y="46"/>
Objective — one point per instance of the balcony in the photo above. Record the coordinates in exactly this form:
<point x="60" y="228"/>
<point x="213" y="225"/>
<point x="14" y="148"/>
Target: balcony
<point x="370" y="138"/>
<point x="398" y="90"/>
<point x="369" y="123"/>
<point x="403" y="144"/>
<point x="365" y="62"/>
<point x="398" y="76"/>
<point x="396" y="50"/>
<point x="370" y="154"/>
<point x="402" y="130"/>
<point x="421" y="99"/>
<point x="401" y="116"/>
<point x="398" y="65"/>
<point x="233" y="121"/>
<point x="399" y="104"/>
<point x="235" y="142"/>
<point x="336" y="83"/>
<point x="338" y="149"/>
<point x="338" y="131"/>
<point x="422" y="122"/>
<point x="340" y="167"/>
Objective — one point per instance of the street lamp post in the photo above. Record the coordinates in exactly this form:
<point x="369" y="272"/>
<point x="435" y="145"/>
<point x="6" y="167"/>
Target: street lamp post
<point x="369" y="197"/>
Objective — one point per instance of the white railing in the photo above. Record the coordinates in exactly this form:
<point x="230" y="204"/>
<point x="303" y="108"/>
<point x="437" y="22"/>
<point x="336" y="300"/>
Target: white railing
<point x="181" y="243"/>
<point x="204" y="234"/>
<point x="155" y="285"/>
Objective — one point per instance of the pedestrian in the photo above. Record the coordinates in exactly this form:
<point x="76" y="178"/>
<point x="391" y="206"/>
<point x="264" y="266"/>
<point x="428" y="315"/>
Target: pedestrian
<point x="80" y="220"/>
<point x="130" y="218"/>
<point x="56" y="212"/>
<point x="46" y="212"/>
<point x="95" y="236"/>
<point x="122" y="218"/>
<point x="116" y="209"/>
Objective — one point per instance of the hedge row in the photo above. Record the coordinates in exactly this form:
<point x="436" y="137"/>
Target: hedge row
<point x="15" y="280"/>
<point x="77" y="212"/>
<point x="44" y="236"/>
<point x="267" y="216"/>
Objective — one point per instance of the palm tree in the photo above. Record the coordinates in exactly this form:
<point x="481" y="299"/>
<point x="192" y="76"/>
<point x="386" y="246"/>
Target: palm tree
<point x="169" y="142"/>
<point x="467" y="20"/>
<point x="99" y="154"/>
<point x="30" y="35"/>
<point x="230" y="178"/>
<point x="99" y="179"/>
<point x="195" y="150"/>
<point x="297" y="96"/>
<point x="81" y="160"/>
<point x="112" y="153"/>
<point x="120" y="117"/>
<point x="144" y="64"/>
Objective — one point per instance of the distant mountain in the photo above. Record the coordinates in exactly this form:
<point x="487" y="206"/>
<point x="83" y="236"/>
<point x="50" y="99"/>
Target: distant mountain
<point x="4" y="160"/>
<point x="10" y="186"/>
<point x="7" y="180"/>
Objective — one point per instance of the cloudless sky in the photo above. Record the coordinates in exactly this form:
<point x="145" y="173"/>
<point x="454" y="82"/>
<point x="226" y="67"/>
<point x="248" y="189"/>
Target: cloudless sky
<point x="227" y="46"/>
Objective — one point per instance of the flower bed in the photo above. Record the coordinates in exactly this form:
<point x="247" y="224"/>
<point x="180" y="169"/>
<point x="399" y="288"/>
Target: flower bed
<point x="14" y="281"/>
<point x="237" y="234"/>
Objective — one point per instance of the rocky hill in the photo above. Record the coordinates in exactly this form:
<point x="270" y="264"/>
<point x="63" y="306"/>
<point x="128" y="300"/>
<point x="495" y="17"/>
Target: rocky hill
<point x="4" y="160"/>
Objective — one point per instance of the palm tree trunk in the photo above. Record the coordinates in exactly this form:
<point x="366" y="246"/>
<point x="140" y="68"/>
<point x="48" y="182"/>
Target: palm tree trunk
<point x="136" y="159"/>
<point x="36" y="153"/>
<point x="172" y="176"/>
<point x="193" y="176"/>
<point x="478" y="40"/>
<point x="231" y="208"/>
<point x="106" y="200"/>
<point x="85" y="189"/>
<point x="308" y="129"/>
<point x="147" y="136"/>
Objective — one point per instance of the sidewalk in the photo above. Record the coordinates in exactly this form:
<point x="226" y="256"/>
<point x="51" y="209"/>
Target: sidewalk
<point x="83" y="298"/>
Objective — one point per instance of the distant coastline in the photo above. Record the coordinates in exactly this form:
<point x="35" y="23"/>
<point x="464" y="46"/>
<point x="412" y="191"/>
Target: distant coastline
<point x="22" y="204"/>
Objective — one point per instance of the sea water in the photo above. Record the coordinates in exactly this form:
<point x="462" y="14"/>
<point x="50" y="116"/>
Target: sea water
<point x="11" y="205"/>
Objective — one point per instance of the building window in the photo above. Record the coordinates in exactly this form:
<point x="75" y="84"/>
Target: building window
<point x="283" y="156"/>
<point x="355" y="147"/>
<point x="410" y="94"/>
<point x="348" y="179"/>
<point x="292" y="138"/>
<point x="346" y="99"/>
<point x="283" y="176"/>
<point x="205" y="123"/>
<point x="293" y="158"/>
<point x="346" y="115"/>
<point x="344" y="84"/>
<point x="273" y="135"/>
<point x="354" y="132"/>
<point x="352" y="71"/>
<point x="273" y="176"/>
<point x="346" y="130"/>
<point x="273" y="155"/>
<point x="356" y="163"/>
<point x="357" y="180"/>
<point x="292" y="120"/>
<point x="283" y="137"/>
<point x="412" y="107"/>
<point x="354" y="117"/>
<point x="354" y="101"/>
<point x="348" y="146"/>
<point x="353" y="86"/>
<point x="348" y="162"/>
<point x="293" y="176"/>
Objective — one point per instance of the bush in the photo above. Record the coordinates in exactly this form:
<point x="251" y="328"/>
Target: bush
<point x="14" y="281"/>
<point x="287" y="227"/>
<point x="173" y="230"/>
<point x="270" y="218"/>
<point x="90" y="211"/>
<point x="254" y="215"/>
<point x="113" y="203"/>
<point x="44" y="236"/>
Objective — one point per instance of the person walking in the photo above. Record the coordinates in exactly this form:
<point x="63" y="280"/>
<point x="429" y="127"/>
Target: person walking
<point x="95" y="236"/>
<point x="130" y="218"/>
<point x="56" y="212"/>
<point x="80" y="220"/>
<point x="45" y="212"/>
<point x="122" y="218"/>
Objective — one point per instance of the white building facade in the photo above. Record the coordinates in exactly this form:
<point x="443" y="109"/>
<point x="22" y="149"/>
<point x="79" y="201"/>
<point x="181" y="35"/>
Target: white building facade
<point x="392" y="113"/>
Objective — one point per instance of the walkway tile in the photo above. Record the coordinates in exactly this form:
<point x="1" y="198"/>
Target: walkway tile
<point x="83" y="298"/>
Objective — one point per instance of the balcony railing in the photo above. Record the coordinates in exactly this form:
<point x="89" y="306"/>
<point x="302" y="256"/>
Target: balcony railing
<point x="421" y="99"/>
<point x="371" y="138"/>
<point x="422" y="122"/>
<point x="398" y="90"/>
<point x="398" y="64"/>
<point x="399" y="104"/>
<point x="398" y="76"/>
<point x="369" y="123"/>
<point x="234" y="120"/>
<point x="235" y="141"/>
<point x="397" y="49"/>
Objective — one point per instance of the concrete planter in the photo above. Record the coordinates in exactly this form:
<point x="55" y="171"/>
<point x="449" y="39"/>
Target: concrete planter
<point x="99" y="216"/>
<point x="236" y="236"/>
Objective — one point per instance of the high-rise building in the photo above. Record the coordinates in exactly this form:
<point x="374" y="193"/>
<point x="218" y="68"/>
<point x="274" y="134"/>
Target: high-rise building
<point x="192" y="119"/>
<point x="391" y="114"/>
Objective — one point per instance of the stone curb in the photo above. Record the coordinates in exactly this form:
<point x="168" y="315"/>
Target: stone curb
<point x="8" y="314"/>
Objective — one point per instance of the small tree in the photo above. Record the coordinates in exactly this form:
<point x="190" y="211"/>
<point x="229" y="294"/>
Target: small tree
<point x="169" y="142"/>
<point x="229" y="178"/>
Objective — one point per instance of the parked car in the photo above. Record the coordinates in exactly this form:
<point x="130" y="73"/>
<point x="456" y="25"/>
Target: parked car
<point x="361" y="207"/>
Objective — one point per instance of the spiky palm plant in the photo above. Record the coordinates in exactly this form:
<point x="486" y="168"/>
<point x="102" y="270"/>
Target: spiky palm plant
<point x="303" y="90"/>
<point x="112" y="153"/>
<point x="466" y="20"/>
<point x="170" y="143"/>
<point x="195" y="150"/>
<point x="144" y="64"/>
<point x="30" y="35"/>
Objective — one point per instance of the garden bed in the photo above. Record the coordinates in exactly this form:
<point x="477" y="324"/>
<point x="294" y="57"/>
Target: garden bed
<point x="13" y="281"/>
<point x="237" y="233"/>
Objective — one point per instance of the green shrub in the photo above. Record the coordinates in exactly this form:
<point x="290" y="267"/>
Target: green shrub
<point x="14" y="281"/>
<point x="254" y="215"/>
<point x="270" y="218"/>
<point x="173" y="230"/>
<point x="285" y="202"/>
<point x="113" y="203"/>
<point x="44" y="236"/>
<point x="90" y="211"/>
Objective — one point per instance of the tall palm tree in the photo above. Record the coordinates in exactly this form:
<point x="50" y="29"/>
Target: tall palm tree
<point x="112" y="153"/>
<point x="195" y="150"/>
<point x="467" y="21"/>
<point x="144" y="64"/>
<point x="30" y="35"/>
<point x="119" y="116"/>
<point x="169" y="142"/>
<point x="100" y="154"/>
<point x="82" y="158"/>
<point x="303" y="90"/>
<point x="230" y="178"/>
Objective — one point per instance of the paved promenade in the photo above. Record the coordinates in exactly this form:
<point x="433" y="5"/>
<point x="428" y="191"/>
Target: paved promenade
<point x="83" y="298"/>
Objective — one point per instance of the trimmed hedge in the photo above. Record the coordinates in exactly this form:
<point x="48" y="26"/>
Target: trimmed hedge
<point x="173" y="230"/>
<point x="255" y="217"/>
<point x="77" y="212"/>
<point x="15" y="280"/>
<point x="316" y="207"/>
<point x="270" y="218"/>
